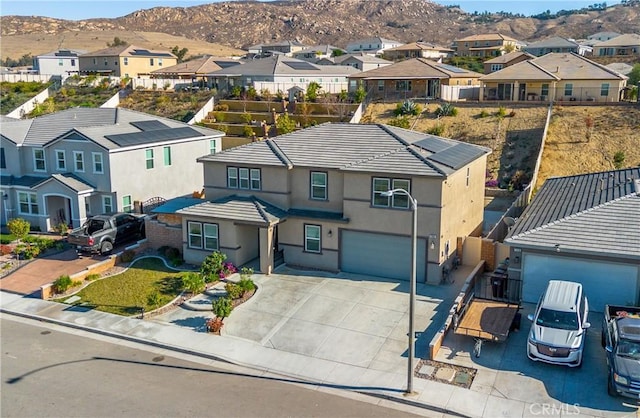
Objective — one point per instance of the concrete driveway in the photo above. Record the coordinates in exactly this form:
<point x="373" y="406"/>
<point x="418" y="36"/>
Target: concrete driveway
<point x="536" y="389"/>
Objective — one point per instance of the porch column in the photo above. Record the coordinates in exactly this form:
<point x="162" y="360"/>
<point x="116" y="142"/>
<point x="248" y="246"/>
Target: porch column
<point x="266" y="250"/>
<point x="515" y="91"/>
<point x="481" y="92"/>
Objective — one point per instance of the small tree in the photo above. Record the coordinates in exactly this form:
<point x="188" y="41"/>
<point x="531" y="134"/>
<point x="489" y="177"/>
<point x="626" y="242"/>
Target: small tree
<point x="618" y="160"/>
<point x="359" y="94"/>
<point x="180" y="53"/>
<point x="117" y="42"/>
<point x="193" y="282"/>
<point x="19" y="228"/>
<point x="222" y="307"/>
<point x="312" y="91"/>
<point x="285" y="124"/>
<point x="211" y="266"/>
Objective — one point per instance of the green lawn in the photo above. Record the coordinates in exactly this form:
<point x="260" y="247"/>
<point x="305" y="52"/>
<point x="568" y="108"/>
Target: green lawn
<point x="126" y="293"/>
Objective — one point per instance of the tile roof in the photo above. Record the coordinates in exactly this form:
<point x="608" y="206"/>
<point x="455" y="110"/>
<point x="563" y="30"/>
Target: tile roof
<point x="202" y="65"/>
<point x="129" y="51"/>
<point x="416" y="68"/>
<point x="595" y="212"/>
<point x="524" y="70"/>
<point x="424" y="46"/>
<point x="96" y="124"/>
<point x="175" y="204"/>
<point x="279" y="64"/>
<point x="628" y="39"/>
<point x="323" y="49"/>
<point x="570" y="66"/>
<point x="63" y="53"/>
<point x="485" y="37"/>
<point x="503" y="59"/>
<point x="552" y="42"/>
<point x="237" y="208"/>
<point x="356" y="147"/>
<point x="70" y="180"/>
<point x="24" y="181"/>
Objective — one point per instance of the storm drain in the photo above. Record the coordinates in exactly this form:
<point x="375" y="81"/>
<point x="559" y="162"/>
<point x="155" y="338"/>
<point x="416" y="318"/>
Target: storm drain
<point x="445" y="373"/>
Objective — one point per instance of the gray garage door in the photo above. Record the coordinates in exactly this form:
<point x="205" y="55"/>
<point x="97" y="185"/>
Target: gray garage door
<point x="380" y="255"/>
<point x="603" y="282"/>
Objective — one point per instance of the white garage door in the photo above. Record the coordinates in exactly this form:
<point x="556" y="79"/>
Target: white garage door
<point x="380" y="255"/>
<point x="603" y="282"/>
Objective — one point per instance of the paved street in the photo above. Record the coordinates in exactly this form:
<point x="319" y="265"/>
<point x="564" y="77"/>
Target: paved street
<point x="53" y="371"/>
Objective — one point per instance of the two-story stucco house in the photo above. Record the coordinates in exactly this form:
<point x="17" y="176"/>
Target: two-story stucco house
<point x="485" y="45"/>
<point x="556" y="44"/>
<point x="373" y="46"/>
<point x="66" y="166"/>
<point x="313" y="198"/>
<point x="125" y="61"/>
<point x="62" y="62"/>
<point x="627" y="44"/>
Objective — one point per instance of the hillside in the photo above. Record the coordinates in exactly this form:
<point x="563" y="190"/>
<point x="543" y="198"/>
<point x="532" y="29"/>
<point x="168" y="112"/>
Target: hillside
<point x="239" y="24"/>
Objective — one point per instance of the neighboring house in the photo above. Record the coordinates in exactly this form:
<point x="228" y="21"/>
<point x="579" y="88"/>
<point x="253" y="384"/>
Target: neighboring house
<point x="316" y="53"/>
<point x="603" y="36"/>
<point x="125" y="61"/>
<point x="485" y="45"/>
<point x="556" y="44"/>
<point x="413" y="78"/>
<point x="361" y="61"/>
<point x="504" y="61"/>
<point x="620" y="68"/>
<point x="281" y="73"/>
<point x="195" y="69"/>
<point x="417" y="50"/>
<point x="62" y="62"/>
<point x="561" y="77"/>
<point x="66" y="166"/>
<point x="285" y="47"/>
<point x="313" y="198"/>
<point x="373" y="46"/>
<point x="627" y="44"/>
<point x="583" y="228"/>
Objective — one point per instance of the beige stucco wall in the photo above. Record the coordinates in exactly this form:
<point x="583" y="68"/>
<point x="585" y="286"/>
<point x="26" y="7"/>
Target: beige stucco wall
<point x="301" y="190"/>
<point x="291" y="239"/>
<point x="587" y="89"/>
<point x="248" y="241"/>
<point x="116" y="64"/>
<point x="183" y="177"/>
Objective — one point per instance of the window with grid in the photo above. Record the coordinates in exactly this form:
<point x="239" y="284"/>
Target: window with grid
<point x="195" y="234"/>
<point x="210" y="236"/>
<point x="403" y="85"/>
<point x="212" y="146"/>
<point x="28" y="203"/>
<point x="243" y="173"/>
<point x="232" y="177"/>
<point x="397" y="200"/>
<point x="148" y="153"/>
<point x="568" y="89"/>
<point x="318" y="185"/>
<point x="312" y="238"/>
<point x="78" y="161"/>
<point x="255" y="179"/>
<point x="98" y="166"/>
<point x="61" y="160"/>
<point x="127" y="206"/>
<point x="107" y="204"/>
<point x="604" y="89"/>
<point x="38" y="160"/>
<point x="544" y="90"/>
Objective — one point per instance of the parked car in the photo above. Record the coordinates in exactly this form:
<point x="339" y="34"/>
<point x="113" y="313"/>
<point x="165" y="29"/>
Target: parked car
<point x="621" y="340"/>
<point x="558" y="331"/>
<point x="100" y="233"/>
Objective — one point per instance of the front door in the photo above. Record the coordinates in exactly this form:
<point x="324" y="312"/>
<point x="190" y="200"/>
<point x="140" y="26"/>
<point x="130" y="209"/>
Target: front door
<point x="523" y="92"/>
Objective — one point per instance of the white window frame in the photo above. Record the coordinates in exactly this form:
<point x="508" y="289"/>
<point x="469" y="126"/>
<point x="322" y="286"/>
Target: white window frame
<point x="255" y="180"/>
<point x="96" y="162"/>
<point x="194" y="234"/>
<point x="318" y="186"/>
<point x="243" y="176"/>
<point x="212" y="146"/>
<point x="496" y="67"/>
<point x="125" y="60"/>
<point x="149" y="159"/>
<point x="77" y="154"/>
<point x="30" y="199"/>
<point x="210" y="232"/>
<point x="232" y="177"/>
<point x="604" y="89"/>
<point x="42" y="159"/>
<point x="127" y="207"/>
<point x="397" y="200"/>
<point x="107" y="204"/>
<point x="63" y="166"/>
<point x="568" y="89"/>
<point x="312" y="238"/>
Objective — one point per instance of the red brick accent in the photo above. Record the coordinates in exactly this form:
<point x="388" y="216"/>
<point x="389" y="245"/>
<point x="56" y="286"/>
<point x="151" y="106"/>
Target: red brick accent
<point x="161" y="234"/>
<point x="459" y="247"/>
<point x="488" y="254"/>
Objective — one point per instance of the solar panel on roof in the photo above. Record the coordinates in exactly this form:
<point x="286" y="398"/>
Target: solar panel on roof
<point x="433" y="144"/>
<point x="145" y="52"/>
<point x="457" y="156"/>
<point x="301" y="65"/>
<point x="147" y="137"/>
<point x="65" y="54"/>
<point x="226" y="64"/>
<point x="149" y="125"/>
<point x="452" y="68"/>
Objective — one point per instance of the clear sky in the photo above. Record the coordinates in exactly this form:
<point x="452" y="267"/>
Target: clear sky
<point x="86" y="9"/>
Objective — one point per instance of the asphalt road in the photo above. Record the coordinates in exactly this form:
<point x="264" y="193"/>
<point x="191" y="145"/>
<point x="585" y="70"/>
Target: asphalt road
<point x="52" y="371"/>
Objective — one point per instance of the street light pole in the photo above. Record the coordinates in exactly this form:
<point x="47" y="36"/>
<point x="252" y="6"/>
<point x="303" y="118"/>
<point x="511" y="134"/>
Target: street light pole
<point x="412" y="283"/>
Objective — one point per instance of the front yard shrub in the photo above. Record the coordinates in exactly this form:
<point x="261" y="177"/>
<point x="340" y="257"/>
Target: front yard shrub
<point x="127" y="256"/>
<point x="193" y="282"/>
<point x="62" y="228"/>
<point x="400" y="122"/>
<point x="483" y="114"/>
<point x="245" y="117"/>
<point x="446" y="109"/>
<point x="221" y="107"/>
<point x="92" y="277"/>
<point x="246" y="273"/>
<point x="246" y="285"/>
<point x="19" y="228"/>
<point x="220" y="116"/>
<point x="212" y="266"/>
<point x="502" y="112"/>
<point x="222" y="307"/>
<point x="408" y="107"/>
<point x="62" y="284"/>
<point x="233" y="290"/>
<point x="227" y="270"/>
<point x="27" y="252"/>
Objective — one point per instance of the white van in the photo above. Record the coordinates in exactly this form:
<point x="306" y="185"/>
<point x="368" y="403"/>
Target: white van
<point x="559" y="328"/>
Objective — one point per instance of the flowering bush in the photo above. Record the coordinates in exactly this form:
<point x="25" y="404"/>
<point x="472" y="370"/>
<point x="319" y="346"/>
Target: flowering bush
<point x="491" y="183"/>
<point x="227" y="270"/>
